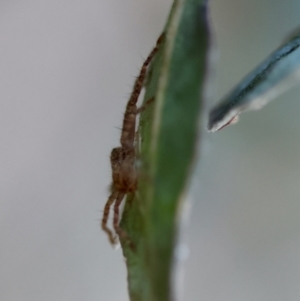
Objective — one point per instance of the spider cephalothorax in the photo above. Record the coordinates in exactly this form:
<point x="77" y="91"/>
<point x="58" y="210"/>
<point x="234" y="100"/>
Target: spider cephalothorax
<point x="124" y="170"/>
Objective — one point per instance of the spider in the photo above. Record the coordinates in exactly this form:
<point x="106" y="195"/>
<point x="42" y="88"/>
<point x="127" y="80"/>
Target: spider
<point x="123" y="158"/>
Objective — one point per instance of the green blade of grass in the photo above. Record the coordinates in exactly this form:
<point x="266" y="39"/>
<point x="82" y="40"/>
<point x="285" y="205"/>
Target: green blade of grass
<point x="169" y="136"/>
<point x="278" y="72"/>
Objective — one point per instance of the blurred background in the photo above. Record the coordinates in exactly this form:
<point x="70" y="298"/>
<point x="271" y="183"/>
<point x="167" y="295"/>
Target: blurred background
<point x="66" y="71"/>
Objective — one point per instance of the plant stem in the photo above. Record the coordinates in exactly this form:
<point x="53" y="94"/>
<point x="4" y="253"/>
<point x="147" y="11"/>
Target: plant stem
<point x="169" y="135"/>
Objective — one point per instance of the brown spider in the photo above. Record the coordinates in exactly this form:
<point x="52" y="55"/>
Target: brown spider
<point x="123" y="158"/>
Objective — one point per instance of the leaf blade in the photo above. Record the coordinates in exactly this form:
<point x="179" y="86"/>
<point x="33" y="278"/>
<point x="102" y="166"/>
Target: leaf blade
<point x="278" y="72"/>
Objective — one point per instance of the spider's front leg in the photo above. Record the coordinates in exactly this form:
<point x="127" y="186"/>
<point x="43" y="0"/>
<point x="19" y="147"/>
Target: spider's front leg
<point x="131" y="111"/>
<point x="145" y="105"/>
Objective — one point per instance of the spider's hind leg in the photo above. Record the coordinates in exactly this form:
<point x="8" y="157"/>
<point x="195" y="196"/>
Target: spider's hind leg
<point x="121" y="233"/>
<point x="108" y="204"/>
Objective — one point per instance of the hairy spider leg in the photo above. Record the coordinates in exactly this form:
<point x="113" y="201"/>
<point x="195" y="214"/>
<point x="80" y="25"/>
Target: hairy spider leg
<point x="120" y="232"/>
<point x="129" y="121"/>
<point x="108" y="204"/>
<point x="145" y="105"/>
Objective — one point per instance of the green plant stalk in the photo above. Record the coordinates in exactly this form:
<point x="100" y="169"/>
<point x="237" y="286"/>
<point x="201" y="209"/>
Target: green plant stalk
<point x="169" y="136"/>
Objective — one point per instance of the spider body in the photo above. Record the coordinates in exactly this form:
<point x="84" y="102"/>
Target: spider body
<point x="124" y="174"/>
<point x="123" y="158"/>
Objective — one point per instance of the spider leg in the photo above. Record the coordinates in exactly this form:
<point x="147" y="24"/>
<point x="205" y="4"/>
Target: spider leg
<point x="145" y="105"/>
<point x="121" y="233"/>
<point x="137" y="136"/>
<point x="128" y="132"/>
<point x="108" y="204"/>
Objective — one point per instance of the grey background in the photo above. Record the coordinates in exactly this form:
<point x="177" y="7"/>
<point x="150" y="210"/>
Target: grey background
<point x="66" y="70"/>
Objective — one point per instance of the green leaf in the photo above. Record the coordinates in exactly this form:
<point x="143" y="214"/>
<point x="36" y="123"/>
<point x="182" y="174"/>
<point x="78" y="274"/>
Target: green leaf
<point x="279" y="71"/>
<point x="169" y="136"/>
